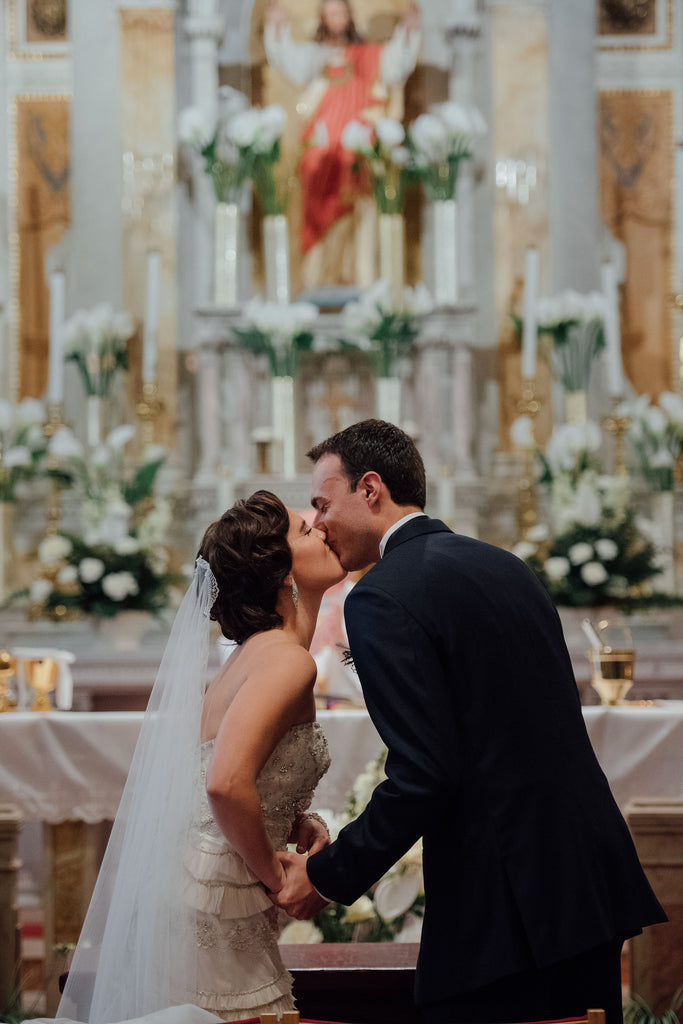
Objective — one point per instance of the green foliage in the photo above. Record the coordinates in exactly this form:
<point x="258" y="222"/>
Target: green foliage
<point x="282" y="352"/>
<point x="142" y="484"/>
<point x="391" y="339"/>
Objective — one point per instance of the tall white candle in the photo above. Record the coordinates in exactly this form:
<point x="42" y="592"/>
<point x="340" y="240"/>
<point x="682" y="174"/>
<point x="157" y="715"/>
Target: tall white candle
<point x="55" y="380"/>
<point x="529" y="330"/>
<point x="615" y="373"/>
<point x="149" y="336"/>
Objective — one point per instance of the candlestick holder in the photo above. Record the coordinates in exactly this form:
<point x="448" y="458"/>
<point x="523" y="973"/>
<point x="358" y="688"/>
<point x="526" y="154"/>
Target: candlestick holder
<point x="527" y="498"/>
<point x="149" y="409"/>
<point x="53" y="510"/>
<point x="8" y="668"/>
<point x="616" y="426"/>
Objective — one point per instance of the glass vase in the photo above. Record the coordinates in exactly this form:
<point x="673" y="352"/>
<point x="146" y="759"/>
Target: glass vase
<point x="226" y="255"/>
<point x="388" y="399"/>
<point x="445" y="251"/>
<point x="276" y="257"/>
<point x="284" y="423"/>
<point x="95" y="428"/>
<point x="577" y="411"/>
<point x="392" y="255"/>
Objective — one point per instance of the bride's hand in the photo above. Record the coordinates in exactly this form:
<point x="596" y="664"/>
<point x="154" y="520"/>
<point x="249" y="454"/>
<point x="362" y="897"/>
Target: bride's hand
<point x="310" y="833"/>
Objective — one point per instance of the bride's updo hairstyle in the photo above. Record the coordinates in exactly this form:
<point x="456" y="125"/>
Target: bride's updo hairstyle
<point x="249" y="555"/>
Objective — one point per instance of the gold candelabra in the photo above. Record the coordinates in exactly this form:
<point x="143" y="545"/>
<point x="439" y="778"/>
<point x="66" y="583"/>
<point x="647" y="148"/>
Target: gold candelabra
<point x="149" y="409"/>
<point x="41" y="675"/>
<point x="53" y="512"/>
<point x="616" y="426"/>
<point x="527" y="503"/>
<point x="8" y="668"/>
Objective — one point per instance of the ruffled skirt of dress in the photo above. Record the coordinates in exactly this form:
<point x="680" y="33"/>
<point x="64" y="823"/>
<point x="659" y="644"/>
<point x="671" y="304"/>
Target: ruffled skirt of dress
<point x="240" y="971"/>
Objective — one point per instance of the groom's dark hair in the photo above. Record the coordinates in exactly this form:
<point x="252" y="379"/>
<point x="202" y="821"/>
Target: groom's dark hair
<point x="379" y="447"/>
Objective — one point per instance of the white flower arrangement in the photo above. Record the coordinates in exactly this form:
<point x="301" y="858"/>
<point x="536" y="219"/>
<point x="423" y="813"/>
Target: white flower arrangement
<point x="119" y="562"/>
<point x="384" y="156"/>
<point x="23" y="446"/>
<point x="243" y="145"/>
<point x="574" y="323"/>
<point x="279" y="331"/>
<point x="437" y="141"/>
<point x="95" y="339"/>
<point x="393" y="909"/>
<point x="386" y="334"/>
<point x="655" y="432"/>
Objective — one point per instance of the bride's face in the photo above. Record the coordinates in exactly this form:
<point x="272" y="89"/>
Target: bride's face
<point x="314" y="565"/>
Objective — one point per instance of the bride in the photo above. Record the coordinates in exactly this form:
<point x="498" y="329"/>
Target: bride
<point x="180" y="921"/>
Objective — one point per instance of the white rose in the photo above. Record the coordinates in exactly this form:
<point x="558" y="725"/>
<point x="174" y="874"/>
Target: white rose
<point x="606" y="549"/>
<point x="300" y="933"/>
<point x="556" y="567"/>
<point x="538" y="533"/>
<point x="456" y="117"/>
<point x="53" y="549"/>
<point x="411" y="930"/>
<point x="154" y="453"/>
<point x="29" y="411"/>
<point x="418" y="300"/>
<point x="672" y="404"/>
<point x="243" y="127"/>
<point x="120" y="436"/>
<point x="593" y="573"/>
<point x="90" y="569"/>
<point x="194" y="127"/>
<point x="65" y="445"/>
<point x="524" y="550"/>
<point x="67" y="575"/>
<point x="362" y="910"/>
<point x="119" y="585"/>
<point x="18" y="455"/>
<point x="272" y="123"/>
<point x="522" y="433"/>
<point x="40" y="590"/>
<point x="357" y="137"/>
<point x="428" y="135"/>
<point x="580" y="553"/>
<point x="126" y="545"/>
<point x="390" y="132"/>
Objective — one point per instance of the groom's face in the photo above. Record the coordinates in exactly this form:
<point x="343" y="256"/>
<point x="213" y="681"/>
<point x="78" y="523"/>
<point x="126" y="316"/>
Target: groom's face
<point x="343" y="515"/>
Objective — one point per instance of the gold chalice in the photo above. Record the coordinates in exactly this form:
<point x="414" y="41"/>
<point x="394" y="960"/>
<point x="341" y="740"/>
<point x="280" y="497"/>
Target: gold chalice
<point x="41" y="675"/>
<point x="612" y="673"/>
<point x="8" y="668"/>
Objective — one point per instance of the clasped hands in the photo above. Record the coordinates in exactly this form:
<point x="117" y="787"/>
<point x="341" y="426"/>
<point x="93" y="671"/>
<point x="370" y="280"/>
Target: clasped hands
<point x="296" y="895"/>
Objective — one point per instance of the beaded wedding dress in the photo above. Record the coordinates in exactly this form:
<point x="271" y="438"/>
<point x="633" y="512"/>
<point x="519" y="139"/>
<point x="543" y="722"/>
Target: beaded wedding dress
<point x="240" y="972"/>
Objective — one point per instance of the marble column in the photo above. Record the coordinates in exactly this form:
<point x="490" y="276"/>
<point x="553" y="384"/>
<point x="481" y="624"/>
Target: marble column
<point x="208" y="401"/>
<point x="573" y="151"/>
<point x="204" y="28"/>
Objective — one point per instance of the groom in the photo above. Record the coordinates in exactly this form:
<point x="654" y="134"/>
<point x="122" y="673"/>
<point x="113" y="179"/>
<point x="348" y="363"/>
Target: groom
<point x="532" y="882"/>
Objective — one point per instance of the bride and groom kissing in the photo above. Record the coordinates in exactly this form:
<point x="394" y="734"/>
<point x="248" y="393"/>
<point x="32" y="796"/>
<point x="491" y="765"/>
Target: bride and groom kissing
<point x="531" y="879"/>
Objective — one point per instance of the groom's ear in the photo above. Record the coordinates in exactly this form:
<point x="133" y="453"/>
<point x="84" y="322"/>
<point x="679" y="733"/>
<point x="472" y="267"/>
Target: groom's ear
<point x="371" y="487"/>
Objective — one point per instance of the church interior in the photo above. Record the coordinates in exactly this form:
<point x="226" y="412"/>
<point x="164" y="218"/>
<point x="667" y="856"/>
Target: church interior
<point x="218" y="246"/>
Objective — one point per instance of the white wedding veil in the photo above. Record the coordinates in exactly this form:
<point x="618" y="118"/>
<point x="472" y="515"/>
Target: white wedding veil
<point x="137" y="949"/>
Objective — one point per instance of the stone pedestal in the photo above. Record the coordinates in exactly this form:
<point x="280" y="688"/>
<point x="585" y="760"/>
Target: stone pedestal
<point x="10" y="823"/>
<point x="657" y="954"/>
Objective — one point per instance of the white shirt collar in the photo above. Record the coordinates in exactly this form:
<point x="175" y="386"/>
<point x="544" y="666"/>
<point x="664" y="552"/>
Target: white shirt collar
<point x="395" y="527"/>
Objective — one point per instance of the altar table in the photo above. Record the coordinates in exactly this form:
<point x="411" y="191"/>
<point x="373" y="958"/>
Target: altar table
<point x="68" y="769"/>
<point x="62" y="766"/>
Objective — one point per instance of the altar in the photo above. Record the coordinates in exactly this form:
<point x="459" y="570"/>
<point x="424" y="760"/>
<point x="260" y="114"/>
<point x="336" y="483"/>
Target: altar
<point x="67" y="770"/>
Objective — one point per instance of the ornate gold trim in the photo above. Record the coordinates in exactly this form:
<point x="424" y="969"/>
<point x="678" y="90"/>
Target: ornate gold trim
<point x="642" y="46"/>
<point x="33" y="51"/>
<point x="13" y="230"/>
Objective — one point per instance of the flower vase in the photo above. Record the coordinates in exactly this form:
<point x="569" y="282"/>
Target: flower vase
<point x="577" y="411"/>
<point x="6" y="548"/>
<point x="445" y="251"/>
<point x="662" y="509"/>
<point x="282" y="389"/>
<point x="94" y="428"/>
<point x="276" y="257"/>
<point x="388" y="399"/>
<point x="226" y="255"/>
<point x="391" y="255"/>
<point x="124" y="632"/>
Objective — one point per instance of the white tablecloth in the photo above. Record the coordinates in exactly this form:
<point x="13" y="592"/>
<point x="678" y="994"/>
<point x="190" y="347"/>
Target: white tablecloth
<point x="62" y="765"/>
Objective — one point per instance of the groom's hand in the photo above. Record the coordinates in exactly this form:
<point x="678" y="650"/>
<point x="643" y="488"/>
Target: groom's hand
<point x="297" y="896"/>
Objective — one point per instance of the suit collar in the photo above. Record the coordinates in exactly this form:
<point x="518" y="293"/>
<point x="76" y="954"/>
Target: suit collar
<point x="415" y="528"/>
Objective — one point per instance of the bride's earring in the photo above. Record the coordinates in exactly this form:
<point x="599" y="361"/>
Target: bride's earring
<point x="295" y="593"/>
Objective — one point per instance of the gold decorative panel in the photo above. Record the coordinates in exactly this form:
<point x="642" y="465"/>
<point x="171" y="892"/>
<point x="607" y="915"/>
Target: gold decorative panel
<point x="42" y="210"/>
<point x="636" y="186"/>
<point x="635" y="24"/>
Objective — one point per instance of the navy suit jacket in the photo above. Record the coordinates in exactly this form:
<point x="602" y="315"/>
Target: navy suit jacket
<point x="466" y="675"/>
